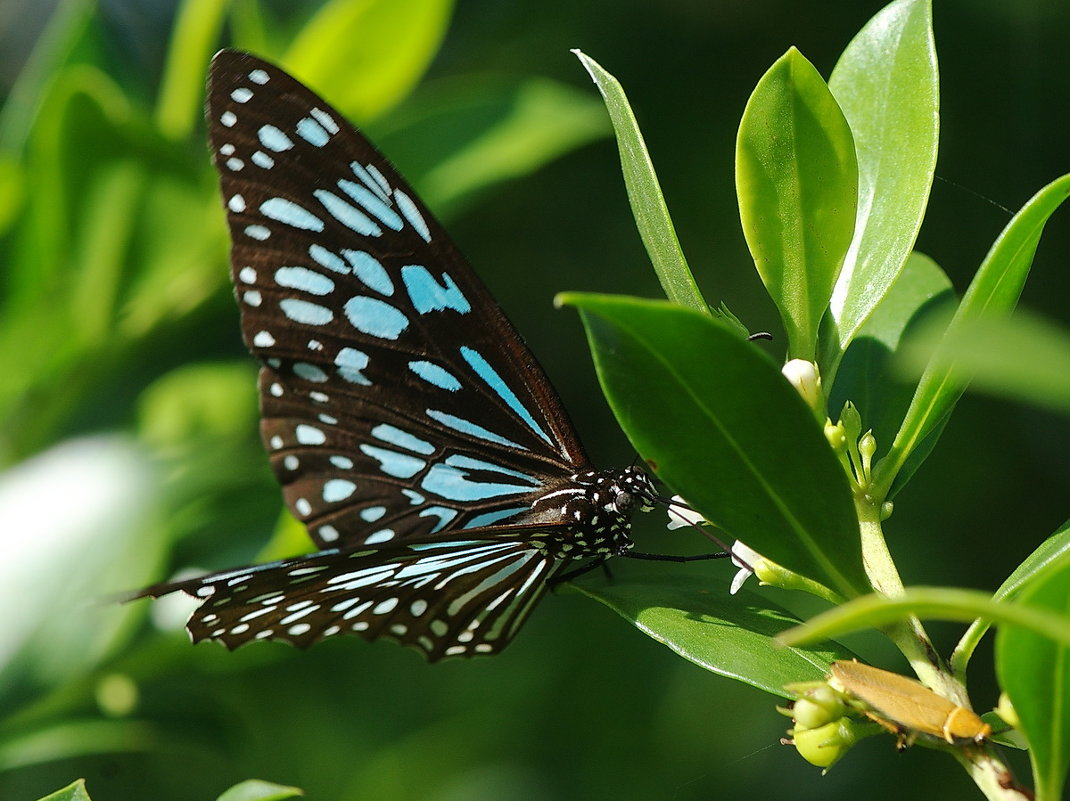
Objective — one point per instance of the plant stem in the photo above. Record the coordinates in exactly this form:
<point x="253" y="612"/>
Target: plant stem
<point x="988" y="772"/>
<point x="909" y="635"/>
<point x="991" y="775"/>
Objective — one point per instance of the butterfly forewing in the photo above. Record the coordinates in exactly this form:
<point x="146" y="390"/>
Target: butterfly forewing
<point x="411" y="429"/>
<point x="398" y="402"/>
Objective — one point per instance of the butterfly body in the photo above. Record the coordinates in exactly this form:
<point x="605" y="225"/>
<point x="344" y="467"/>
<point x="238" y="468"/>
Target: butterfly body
<point x="411" y="429"/>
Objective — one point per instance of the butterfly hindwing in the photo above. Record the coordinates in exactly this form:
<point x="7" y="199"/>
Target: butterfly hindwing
<point x="397" y="400"/>
<point x="445" y="599"/>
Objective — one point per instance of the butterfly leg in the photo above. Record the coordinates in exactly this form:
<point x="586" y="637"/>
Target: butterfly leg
<point x="579" y="571"/>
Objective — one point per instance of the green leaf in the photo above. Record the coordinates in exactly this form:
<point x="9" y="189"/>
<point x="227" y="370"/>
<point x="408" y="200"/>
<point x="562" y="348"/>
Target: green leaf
<point x="13" y="187"/>
<point x="719" y="423"/>
<point x="72" y="792"/>
<point x="458" y="137"/>
<point x="864" y="376"/>
<point x="52" y="51"/>
<point x="368" y="55"/>
<point x="82" y="109"/>
<point x="731" y="635"/>
<point x="994" y="291"/>
<point x="887" y="84"/>
<point x="70" y="738"/>
<point x="644" y="193"/>
<point x="797" y="182"/>
<point x="1034" y="670"/>
<point x="1055" y="548"/>
<point x="180" y="253"/>
<point x="941" y="603"/>
<point x="179" y="106"/>
<point x="1022" y="357"/>
<point x="208" y="400"/>
<point x="95" y="268"/>
<point x="257" y="790"/>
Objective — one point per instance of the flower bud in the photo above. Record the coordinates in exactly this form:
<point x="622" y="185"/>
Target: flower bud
<point x="825" y="745"/>
<point x="803" y="375"/>
<point x="836" y="436"/>
<point x="817" y="706"/>
<point x="1005" y="710"/>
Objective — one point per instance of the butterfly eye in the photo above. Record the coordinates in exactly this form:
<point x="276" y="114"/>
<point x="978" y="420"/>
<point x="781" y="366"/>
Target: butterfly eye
<point x="626" y="502"/>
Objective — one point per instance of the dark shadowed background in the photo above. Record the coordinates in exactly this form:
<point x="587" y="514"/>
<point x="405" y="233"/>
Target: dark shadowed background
<point x="581" y="706"/>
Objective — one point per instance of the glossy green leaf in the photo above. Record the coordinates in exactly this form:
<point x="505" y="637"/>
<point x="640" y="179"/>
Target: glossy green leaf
<point x="1034" y="670"/>
<point x="367" y="55"/>
<point x="258" y="790"/>
<point x="731" y="635"/>
<point x="939" y="603"/>
<point x="73" y="792"/>
<point x="1022" y="357"/>
<point x="797" y="182"/>
<point x="719" y="423"/>
<point x="1054" y="549"/>
<point x="994" y="291"/>
<point x="864" y="377"/>
<point x="644" y="193"/>
<point x="457" y="138"/>
<point x="887" y="84"/>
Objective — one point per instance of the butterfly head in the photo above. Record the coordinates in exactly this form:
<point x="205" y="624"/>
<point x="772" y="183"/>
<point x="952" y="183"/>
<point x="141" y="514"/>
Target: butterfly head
<point x="634" y="491"/>
<point x="620" y="493"/>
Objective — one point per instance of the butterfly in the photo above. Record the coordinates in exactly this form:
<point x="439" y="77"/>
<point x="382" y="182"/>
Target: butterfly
<point x="412" y="431"/>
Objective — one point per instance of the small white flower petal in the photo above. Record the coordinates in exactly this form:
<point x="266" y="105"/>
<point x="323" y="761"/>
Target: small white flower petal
<point x="740" y="577"/>
<point x="682" y="515"/>
<point x="742" y="557"/>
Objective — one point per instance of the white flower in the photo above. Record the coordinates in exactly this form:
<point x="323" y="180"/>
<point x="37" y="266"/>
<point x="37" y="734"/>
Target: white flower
<point x="744" y="558"/>
<point x="803" y="375"/>
<point x="681" y="514"/>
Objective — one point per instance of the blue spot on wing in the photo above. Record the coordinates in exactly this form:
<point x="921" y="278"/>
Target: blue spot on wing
<point x="290" y="213"/>
<point x="454" y="484"/>
<point x="435" y="375"/>
<point x="428" y="295"/>
<point x="501" y="389"/>
<point x="402" y="439"/>
<point x="373" y="204"/>
<point x="350" y="216"/>
<point x="375" y="317"/>
<point x="312" y="132"/>
<point x="304" y="279"/>
<point x="370" y="271"/>
<point x="301" y="311"/>
<point x="471" y="428"/>
<point x="398" y="465"/>
<point x="490" y="518"/>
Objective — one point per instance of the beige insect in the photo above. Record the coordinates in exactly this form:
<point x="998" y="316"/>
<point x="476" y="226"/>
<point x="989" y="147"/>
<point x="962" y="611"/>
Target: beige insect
<point x="907" y="707"/>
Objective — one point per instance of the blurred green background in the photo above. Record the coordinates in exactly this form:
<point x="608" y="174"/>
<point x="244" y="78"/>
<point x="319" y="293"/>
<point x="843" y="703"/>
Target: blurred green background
<point x="128" y="414"/>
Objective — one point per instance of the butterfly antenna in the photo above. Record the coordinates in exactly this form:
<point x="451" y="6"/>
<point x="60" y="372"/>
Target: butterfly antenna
<point x="703" y="530"/>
